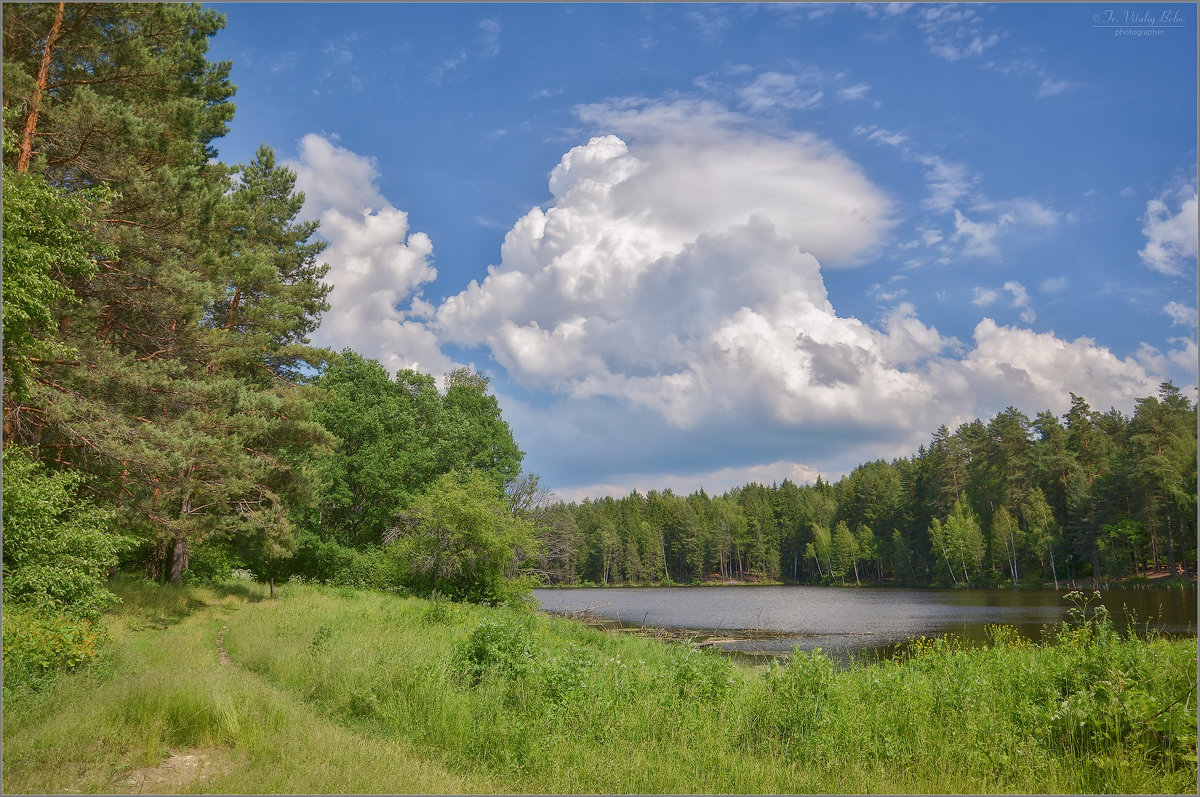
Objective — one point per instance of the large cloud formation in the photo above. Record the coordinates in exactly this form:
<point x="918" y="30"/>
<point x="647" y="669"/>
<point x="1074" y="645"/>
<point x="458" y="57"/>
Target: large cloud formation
<point x="681" y="272"/>
<point x="669" y="300"/>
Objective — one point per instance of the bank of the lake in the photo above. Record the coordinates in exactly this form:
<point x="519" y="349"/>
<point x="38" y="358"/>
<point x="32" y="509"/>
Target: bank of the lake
<point x="335" y="690"/>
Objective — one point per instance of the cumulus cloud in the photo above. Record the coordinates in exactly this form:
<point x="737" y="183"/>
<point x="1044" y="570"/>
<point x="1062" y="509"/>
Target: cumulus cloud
<point x="1032" y="369"/>
<point x="376" y="266"/>
<point x="677" y="275"/>
<point x="672" y="265"/>
<point x="1170" y="237"/>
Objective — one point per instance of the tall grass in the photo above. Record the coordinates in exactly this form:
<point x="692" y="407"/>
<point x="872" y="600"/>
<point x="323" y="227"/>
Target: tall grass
<point x="162" y="689"/>
<point x="555" y="707"/>
<point x="334" y="690"/>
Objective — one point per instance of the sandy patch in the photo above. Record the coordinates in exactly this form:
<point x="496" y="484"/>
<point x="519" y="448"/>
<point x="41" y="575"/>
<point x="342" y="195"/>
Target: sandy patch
<point x="176" y="773"/>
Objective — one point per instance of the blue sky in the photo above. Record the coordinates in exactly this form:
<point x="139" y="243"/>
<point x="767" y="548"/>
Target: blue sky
<point x="698" y="245"/>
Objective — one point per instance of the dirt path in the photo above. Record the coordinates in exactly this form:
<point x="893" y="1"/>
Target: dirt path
<point x="177" y="772"/>
<point x="225" y="660"/>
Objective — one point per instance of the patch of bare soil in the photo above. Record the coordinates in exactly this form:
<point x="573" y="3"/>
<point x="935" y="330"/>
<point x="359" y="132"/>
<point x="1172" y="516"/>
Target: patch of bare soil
<point x="225" y="660"/>
<point x="177" y="773"/>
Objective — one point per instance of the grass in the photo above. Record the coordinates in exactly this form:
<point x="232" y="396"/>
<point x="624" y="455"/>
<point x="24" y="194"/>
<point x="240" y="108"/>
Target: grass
<point x="162" y="689"/>
<point x="334" y="690"/>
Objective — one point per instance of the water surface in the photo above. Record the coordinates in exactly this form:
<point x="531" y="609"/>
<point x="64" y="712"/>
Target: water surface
<point x="772" y="620"/>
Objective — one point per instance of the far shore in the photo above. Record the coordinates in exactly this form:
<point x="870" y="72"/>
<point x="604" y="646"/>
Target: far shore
<point x="1160" y="579"/>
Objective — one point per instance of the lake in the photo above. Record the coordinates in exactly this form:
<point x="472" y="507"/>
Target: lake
<point x="771" y="620"/>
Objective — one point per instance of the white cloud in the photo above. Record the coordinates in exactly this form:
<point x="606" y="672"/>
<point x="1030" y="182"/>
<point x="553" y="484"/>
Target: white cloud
<point x="1181" y="314"/>
<point x="677" y="276"/>
<point x="777" y="90"/>
<point x="856" y="92"/>
<point x="1029" y="369"/>
<point x="981" y="238"/>
<point x="1020" y="300"/>
<point x="876" y="133"/>
<point x="489" y="38"/>
<point x="953" y="31"/>
<point x="1170" y="237"/>
<point x="1054" y="284"/>
<point x="984" y="297"/>
<point x="486" y="46"/>
<point x="713" y="482"/>
<point x="376" y="266"/>
<point x="948" y="182"/>
<point x="978" y="238"/>
<point x="1050" y="87"/>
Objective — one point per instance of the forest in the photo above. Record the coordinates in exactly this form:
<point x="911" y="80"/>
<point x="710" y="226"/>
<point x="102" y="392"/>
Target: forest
<point x="1014" y="502"/>
<point x="166" y="414"/>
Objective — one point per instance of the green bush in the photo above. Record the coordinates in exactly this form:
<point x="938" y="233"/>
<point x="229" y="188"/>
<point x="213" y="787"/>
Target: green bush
<point x="38" y="645"/>
<point x="501" y="646"/>
<point x="441" y="610"/>
<point x="327" y="562"/>
<point x="461" y="539"/>
<point x="702" y="675"/>
<point x="57" y="547"/>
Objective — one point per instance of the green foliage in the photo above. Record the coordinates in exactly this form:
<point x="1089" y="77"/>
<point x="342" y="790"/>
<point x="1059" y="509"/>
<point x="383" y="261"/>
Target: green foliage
<point x="185" y="303"/>
<point x="45" y="250"/>
<point x="1007" y="502"/>
<point x="212" y="562"/>
<point x="57" y="546"/>
<point x="38" y="645"/>
<point x="503" y="647"/>
<point x="702" y="675"/>
<point x="460" y="538"/>
<point x="395" y="437"/>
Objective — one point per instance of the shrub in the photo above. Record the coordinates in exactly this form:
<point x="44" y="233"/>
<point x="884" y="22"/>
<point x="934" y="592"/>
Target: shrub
<point x="38" y="645"/>
<point x="57" y="547"/>
<point x="501" y="646"/>
<point x="461" y="539"/>
<point x="702" y="675"/>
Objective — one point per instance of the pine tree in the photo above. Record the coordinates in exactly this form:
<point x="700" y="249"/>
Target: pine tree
<point x="189" y="425"/>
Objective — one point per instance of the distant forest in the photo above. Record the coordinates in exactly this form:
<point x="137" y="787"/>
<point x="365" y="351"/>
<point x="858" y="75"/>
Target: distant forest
<point x="1014" y="501"/>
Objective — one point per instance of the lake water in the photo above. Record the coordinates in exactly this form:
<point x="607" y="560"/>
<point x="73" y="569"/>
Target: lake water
<point x="760" y="620"/>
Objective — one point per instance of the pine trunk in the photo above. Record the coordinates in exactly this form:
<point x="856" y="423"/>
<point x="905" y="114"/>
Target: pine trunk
<point x="179" y="561"/>
<point x="25" y="150"/>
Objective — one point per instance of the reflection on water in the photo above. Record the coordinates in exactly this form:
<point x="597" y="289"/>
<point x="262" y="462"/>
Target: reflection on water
<point x="754" y="620"/>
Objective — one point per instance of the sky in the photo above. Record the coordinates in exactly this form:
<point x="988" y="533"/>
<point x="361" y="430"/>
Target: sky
<point x="699" y="245"/>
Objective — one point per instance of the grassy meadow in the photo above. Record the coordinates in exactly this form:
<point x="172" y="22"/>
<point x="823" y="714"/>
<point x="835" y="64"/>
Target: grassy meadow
<point x="332" y="690"/>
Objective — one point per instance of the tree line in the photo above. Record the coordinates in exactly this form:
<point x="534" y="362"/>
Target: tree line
<point x="1014" y="501"/>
